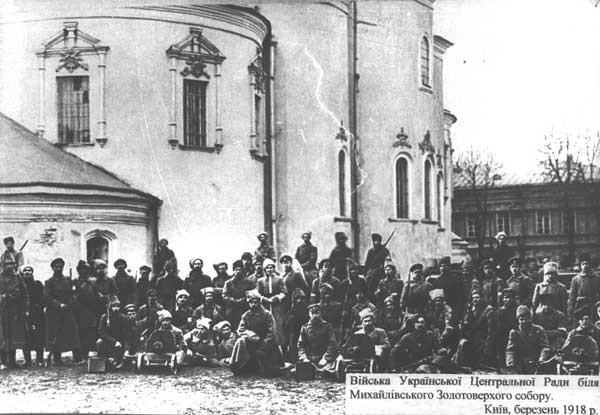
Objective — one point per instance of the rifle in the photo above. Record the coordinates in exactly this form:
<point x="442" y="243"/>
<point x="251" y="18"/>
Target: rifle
<point x="390" y="237"/>
<point x="24" y="245"/>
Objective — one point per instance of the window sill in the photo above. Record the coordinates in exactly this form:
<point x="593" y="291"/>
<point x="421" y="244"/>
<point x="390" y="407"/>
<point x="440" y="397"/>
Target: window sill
<point x="429" y="222"/>
<point x="426" y="89"/>
<point x="440" y="229"/>
<point x="258" y="156"/>
<point x="403" y="220"/>
<point x="197" y="148"/>
<point x="75" y="144"/>
<point x="342" y="219"/>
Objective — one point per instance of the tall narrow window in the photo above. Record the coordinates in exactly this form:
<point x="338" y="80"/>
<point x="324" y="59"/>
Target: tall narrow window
<point x="73" y="109"/>
<point x="471" y="226"/>
<point x="257" y="121"/>
<point x="97" y="248"/>
<point x="503" y="222"/>
<point x="342" y="182"/>
<point x="543" y="222"/>
<point x="427" y="190"/>
<point x="425" y="62"/>
<point x="194" y="113"/>
<point x="439" y="195"/>
<point x="402" y="188"/>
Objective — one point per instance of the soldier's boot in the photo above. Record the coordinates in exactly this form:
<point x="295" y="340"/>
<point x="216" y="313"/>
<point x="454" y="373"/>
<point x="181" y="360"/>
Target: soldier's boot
<point x="3" y="360"/>
<point x="56" y="356"/>
<point x="12" y="359"/>
<point x="39" y="357"/>
<point x="27" y="355"/>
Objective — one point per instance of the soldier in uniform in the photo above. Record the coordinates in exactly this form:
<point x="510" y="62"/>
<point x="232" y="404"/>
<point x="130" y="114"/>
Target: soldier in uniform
<point x="317" y="341"/>
<point x="378" y="335"/>
<point x="105" y="285"/>
<point x="196" y="281"/>
<point x="502" y="252"/>
<point x="306" y="254"/>
<point x="234" y="293"/>
<point x="11" y="254"/>
<point x="148" y="313"/>
<point x="168" y="285"/>
<point x="247" y="264"/>
<point x="166" y="323"/>
<point x="62" y="332"/>
<point x="226" y="339"/>
<point x="520" y="283"/>
<point x="208" y="308"/>
<point x="551" y="320"/>
<point x="292" y="278"/>
<point x="295" y="318"/>
<point x="265" y="249"/>
<point x="125" y="283"/>
<point x="527" y="345"/>
<point x="340" y="255"/>
<point x="507" y="321"/>
<point x="453" y="288"/>
<point x="389" y="318"/>
<point x="374" y="263"/>
<point x="478" y="345"/>
<point x="91" y="306"/>
<point x="415" y="294"/>
<point x="362" y="303"/>
<point x="439" y="313"/>
<point x="469" y="279"/>
<point x="415" y="346"/>
<point x="585" y="327"/>
<point x="163" y="254"/>
<point x="182" y="314"/>
<point x="585" y="288"/>
<point x="113" y="332"/>
<point x="200" y="341"/>
<point x="389" y="285"/>
<point x="491" y="285"/>
<point x="219" y="282"/>
<point x="34" y="334"/>
<point x="142" y="285"/>
<point x="331" y="310"/>
<point x="325" y="276"/>
<point x="273" y="292"/>
<point x="14" y="304"/>
<point x="552" y="287"/>
<point x="259" y="270"/>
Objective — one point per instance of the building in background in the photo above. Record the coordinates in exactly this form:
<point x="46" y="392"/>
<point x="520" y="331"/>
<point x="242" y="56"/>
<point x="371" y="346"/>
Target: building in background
<point x="531" y="210"/>
<point x="283" y="116"/>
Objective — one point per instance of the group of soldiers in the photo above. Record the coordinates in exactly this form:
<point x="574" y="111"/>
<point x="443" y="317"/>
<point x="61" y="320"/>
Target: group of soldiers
<point x="268" y="312"/>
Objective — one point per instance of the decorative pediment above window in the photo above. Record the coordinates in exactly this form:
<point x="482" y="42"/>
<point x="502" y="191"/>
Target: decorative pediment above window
<point x="197" y="51"/>
<point x="70" y="44"/>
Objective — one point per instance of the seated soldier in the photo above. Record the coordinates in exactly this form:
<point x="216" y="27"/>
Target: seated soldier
<point x="134" y="330"/>
<point x="165" y="323"/>
<point x="551" y="320"/>
<point x="182" y="314"/>
<point x="413" y="347"/>
<point x="317" y="342"/>
<point x="585" y="328"/>
<point x="226" y="339"/>
<point x="256" y="349"/>
<point x="148" y="313"/>
<point x="527" y="345"/>
<point x="331" y="310"/>
<point x="295" y="318"/>
<point x="208" y="309"/>
<point x="378" y="335"/>
<point x="113" y="331"/>
<point x="439" y="312"/>
<point x="507" y="320"/>
<point x="362" y="303"/>
<point x="477" y="346"/>
<point x="200" y="343"/>
<point x="390" y="319"/>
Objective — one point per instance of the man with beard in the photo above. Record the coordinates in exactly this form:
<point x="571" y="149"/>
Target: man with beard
<point x="306" y="254"/>
<point x="374" y="262"/>
<point x="196" y="281"/>
<point x="331" y="310"/>
<point x="259" y="271"/>
<point x="264" y="249"/>
<point x="340" y="255"/>
<point x="142" y="285"/>
<point x="478" y="345"/>
<point x="125" y="283"/>
<point x="14" y="301"/>
<point x="362" y="302"/>
<point x="585" y="327"/>
<point x="519" y="283"/>
<point x="317" y="342"/>
<point x="325" y="276"/>
<point x="219" y="282"/>
<point x="507" y="321"/>
<point x="247" y="264"/>
<point x="208" y="308"/>
<point x="453" y="289"/>
<point x="234" y="294"/>
<point x="105" y="285"/>
<point x="256" y="349"/>
<point x="34" y="334"/>
<point x="389" y="318"/>
<point x="113" y="332"/>
<point x="62" y="332"/>
<point x="292" y="278"/>
<point x="163" y="254"/>
<point x="378" y="335"/>
<point x="414" y="346"/>
<point x="148" y="313"/>
<point x="226" y="339"/>
<point x="391" y="284"/>
<point x="552" y="287"/>
<point x="440" y="313"/>
<point x="585" y="288"/>
<point x="491" y="285"/>
<point x="415" y="294"/>
<point x="273" y="292"/>
<point x="551" y="320"/>
<point x="11" y="254"/>
<point x="91" y="306"/>
<point x="168" y="285"/>
<point x="501" y="254"/>
<point x="527" y="345"/>
<point x="182" y="313"/>
<point x="200" y="342"/>
<point x="165" y="323"/>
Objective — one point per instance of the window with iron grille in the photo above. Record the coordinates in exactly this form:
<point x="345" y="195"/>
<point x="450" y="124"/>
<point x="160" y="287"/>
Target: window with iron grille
<point x="503" y="222"/>
<point x="73" y="105"/>
<point x="194" y="113"/>
<point x="543" y="222"/>
<point x="402" y="188"/>
<point x="425" y="62"/>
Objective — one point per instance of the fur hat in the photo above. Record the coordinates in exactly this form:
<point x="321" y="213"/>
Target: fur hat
<point x="436" y="293"/>
<point x="523" y="310"/>
<point x="57" y="261"/>
<point x="366" y="312"/>
<point x="163" y="314"/>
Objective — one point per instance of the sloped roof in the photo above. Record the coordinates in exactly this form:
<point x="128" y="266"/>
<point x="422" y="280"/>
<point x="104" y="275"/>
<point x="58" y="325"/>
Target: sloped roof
<point x="26" y="159"/>
<point x="507" y="179"/>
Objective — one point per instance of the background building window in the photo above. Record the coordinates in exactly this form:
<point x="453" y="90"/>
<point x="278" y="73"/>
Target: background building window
<point x="194" y="113"/>
<point x="471" y="226"/>
<point x="503" y="222"/>
<point x="73" y="104"/>
<point x="342" y="182"/>
<point x="439" y="191"/>
<point x="425" y="62"/>
<point x="97" y="248"/>
<point x="402" y="188"/>
<point x="543" y="222"/>
<point x="427" y="190"/>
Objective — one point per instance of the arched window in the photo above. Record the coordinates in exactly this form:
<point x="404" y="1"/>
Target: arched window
<point x="402" y="188"/>
<point x="97" y="248"/>
<point x="342" y="182"/>
<point x="439" y="195"/>
<point x="425" y="62"/>
<point x="427" y="189"/>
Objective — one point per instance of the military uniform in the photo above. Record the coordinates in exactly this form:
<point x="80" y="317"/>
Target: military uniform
<point x="317" y="341"/>
<point x="62" y="332"/>
<point x="274" y="289"/>
<point x="526" y="348"/>
<point x="585" y="290"/>
<point x="479" y="337"/>
<point x="35" y="322"/>
<point x="415" y="297"/>
<point x="490" y="289"/>
<point x="125" y="287"/>
<point x="554" y="322"/>
<point x="14" y="302"/>
<point x="523" y="287"/>
<point x="234" y="295"/>
<point x="194" y="283"/>
<point x="413" y="347"/>
<point x="307" y="254"/>
<point x="166" y="287"/>
<point x="557" y="290"/>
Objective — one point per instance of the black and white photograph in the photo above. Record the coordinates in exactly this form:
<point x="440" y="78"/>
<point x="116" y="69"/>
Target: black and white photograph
<point x="233" y="206"/>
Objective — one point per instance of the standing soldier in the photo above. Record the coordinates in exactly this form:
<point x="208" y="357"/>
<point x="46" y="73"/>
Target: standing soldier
<point x="234" y="294"/>
<point x="125" y="283"/>
<point x="142" y="285"/>
<point x="62" y="333"/>
<point x="469" y="280"/>
<point x="292" y="278"/>
<point x="519" y="283"/>
<point x="168" y="285"/>
<point x="391" y="284"/>
<point x="501" y="254"/>
<point x="34" y="333"/>
<point x="374" y="262"/>
<point x="478" y="345"/>
<point x="247" y="264"/>
<point x="105" y="285"/>
<point x="259" y="271"/>
<point x="491" y="285"/>
<point x="11" y="254"/>
<point x="219" y="282"/>
<point x="196" y="281"/>
<point x="14" y="305"/>
<point x="551" y="320"/>
<point x="325" y="277"/>
<point x="340" y="255"/>
<point x="91" y="305"/>
<point x="550" y="285"/>
<point x="585" y="288"/>
<point x="264" y="249"/>
<point x="527" y="345"/>
<point x="415" y="294"/>
<point x="273" y="292"/>
<point x="453" y="289"/>
<point x="306" y="254"/>
<point x="507" y="321"/>
<point x="349" y="287"/>
<point x="331" y="310"/>
<point x="163" y="254"/>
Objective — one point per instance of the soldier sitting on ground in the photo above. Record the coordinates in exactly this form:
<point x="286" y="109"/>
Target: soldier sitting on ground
<point x="527" y="345"/>
<point x="200" y="343"/>
<point x="317" y="342"/>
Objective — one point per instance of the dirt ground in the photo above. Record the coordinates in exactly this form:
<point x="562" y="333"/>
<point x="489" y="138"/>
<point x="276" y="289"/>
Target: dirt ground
<point x="195" y="390"/>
